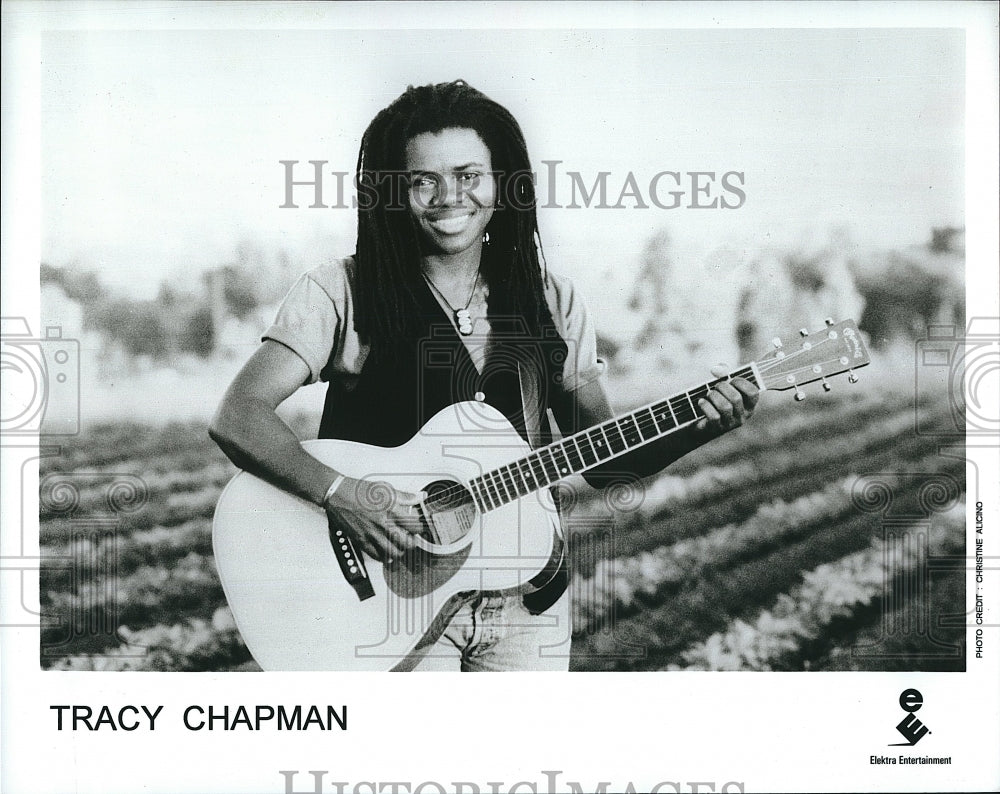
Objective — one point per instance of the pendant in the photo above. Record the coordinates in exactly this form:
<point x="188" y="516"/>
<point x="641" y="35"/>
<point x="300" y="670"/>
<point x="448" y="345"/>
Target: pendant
<point x="464" y="321"/>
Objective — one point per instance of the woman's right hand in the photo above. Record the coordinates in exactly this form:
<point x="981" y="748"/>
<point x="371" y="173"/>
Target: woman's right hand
<point x="378" y="518"/>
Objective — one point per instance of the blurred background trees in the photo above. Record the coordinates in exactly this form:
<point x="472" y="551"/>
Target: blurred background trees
<point x="676" y="312"/>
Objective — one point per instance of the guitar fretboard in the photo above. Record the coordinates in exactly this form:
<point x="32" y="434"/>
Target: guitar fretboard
<point x="590" y="448"/>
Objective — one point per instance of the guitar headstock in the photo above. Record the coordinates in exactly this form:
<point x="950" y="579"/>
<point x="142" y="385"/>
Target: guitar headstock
<point x="835" y="349"/>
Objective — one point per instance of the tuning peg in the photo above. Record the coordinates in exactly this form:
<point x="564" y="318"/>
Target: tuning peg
<point x="826" y="386"/>
<point x="803" y="332"/>
<point x="799" y="395"/>
<point x="852" y="377"/>
<point x="828" y="321"/>
<point x="776" y="342"/>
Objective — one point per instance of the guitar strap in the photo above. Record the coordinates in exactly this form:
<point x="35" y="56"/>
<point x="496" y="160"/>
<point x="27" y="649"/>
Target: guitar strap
<point x="399" y="390"/>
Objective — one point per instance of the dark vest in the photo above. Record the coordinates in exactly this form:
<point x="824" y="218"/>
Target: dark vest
<point x="398" y="391"/>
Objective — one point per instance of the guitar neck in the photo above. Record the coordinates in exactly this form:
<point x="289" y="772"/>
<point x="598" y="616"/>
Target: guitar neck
<point x="589" y="448"/>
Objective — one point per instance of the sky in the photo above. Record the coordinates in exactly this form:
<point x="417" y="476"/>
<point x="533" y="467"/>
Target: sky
<point x="160" y="149"/>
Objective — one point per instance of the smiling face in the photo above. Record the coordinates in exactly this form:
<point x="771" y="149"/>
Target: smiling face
<point x="452" y="188"/>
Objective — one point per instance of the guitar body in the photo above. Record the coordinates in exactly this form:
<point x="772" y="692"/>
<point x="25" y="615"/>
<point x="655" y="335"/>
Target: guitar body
<point x="489" y="520"/>
<point x="286" y="590"/>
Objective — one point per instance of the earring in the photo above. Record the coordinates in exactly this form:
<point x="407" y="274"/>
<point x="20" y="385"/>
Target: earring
<point x="486" y="237"/>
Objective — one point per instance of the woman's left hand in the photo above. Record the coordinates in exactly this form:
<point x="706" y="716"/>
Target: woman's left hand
<point x="728" y="405"/>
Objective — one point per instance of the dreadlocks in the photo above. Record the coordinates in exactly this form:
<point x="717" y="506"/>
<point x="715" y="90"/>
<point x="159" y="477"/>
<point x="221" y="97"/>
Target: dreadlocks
<point x="388" y="252"/>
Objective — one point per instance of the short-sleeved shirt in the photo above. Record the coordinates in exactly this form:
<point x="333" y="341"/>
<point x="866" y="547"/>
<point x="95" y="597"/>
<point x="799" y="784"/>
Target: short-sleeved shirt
<point x="316" y="321"/>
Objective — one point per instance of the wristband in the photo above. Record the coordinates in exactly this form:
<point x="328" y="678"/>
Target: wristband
<point x="333" y="489"/>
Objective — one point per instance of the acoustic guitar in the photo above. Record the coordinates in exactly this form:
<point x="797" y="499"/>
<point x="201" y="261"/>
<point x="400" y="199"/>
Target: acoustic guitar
<point x="305" y="599"/>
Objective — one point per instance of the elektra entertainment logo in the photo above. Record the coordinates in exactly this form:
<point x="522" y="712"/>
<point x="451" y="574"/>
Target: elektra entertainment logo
<point x="913" y="730"/>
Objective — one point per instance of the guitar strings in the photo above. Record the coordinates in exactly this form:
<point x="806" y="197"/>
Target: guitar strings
<point x="780" y="363"/>
<point x="642" y="423"/>
<point x="645" y="422"/>
<point x="676" y="404"/>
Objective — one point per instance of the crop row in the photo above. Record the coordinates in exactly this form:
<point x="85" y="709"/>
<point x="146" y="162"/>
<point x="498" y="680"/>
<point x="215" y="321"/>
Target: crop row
<point x="671" y="491"/>
<point x="667" y="513"/>
<point x="704" y="479"/>
<point x="81" y="495"/>
<point x="828" y="592"/>
<point x="151" y="594"/>
<point x="196" y="644"/>
<point x="618" y="583"/>
<point x="159" y="546"/>
<point x="186" y="447"/>
<point x="150" y="583"/>
<point x="167" y="506"/>
<point x="880" y="637"/>
<point x="172" y="510"/>
<point x="816" y="420"/>
<point x="622" y="584"/>
<point x="168" y="593"/>
<point x="104" y="445"/>
<point x="659" y="632"/>
<point x="145" y="447"/>
<point x="668" y="493"/>
<point x="163" y="544"/>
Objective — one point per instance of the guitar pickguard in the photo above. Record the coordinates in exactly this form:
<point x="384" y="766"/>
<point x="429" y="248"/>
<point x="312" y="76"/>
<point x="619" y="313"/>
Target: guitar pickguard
<point x="420" y="572"/>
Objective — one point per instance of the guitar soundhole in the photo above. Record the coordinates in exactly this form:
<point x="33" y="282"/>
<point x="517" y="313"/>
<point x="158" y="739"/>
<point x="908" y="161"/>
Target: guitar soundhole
<point x="448" y="512"/>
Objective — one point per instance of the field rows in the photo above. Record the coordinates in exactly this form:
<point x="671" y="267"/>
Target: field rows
<point x="183" y="497"/>
<point x="622" y="581"/>
<point x="179" y="523"/>
<point x="171" y="448"/>
<point x="716" y="497"/>
<point x="788" y="424"/>
<point x="91" y="492"/>
<point x="655" y="630"/>
<point x="159" y="545"/>
<point x="195" y="644"/>
<point x="148" y="595"/>
<point x="748" y="552"/>
<point x="829" y="592"/>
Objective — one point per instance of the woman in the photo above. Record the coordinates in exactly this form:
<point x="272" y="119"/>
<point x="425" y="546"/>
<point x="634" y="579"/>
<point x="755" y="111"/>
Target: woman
<point x="447" y="261"/>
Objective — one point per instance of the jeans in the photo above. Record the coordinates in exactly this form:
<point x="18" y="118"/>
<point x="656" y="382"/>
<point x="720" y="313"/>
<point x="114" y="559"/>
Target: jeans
<point x="495" y="633"/>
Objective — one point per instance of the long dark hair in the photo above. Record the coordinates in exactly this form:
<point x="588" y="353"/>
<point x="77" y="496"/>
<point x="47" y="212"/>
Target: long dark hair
<point x="388" y="250"/>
